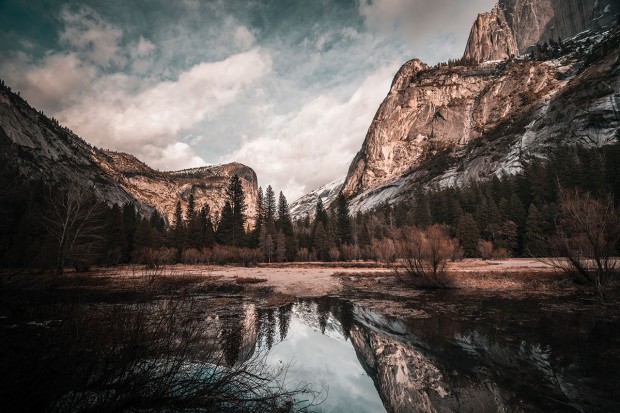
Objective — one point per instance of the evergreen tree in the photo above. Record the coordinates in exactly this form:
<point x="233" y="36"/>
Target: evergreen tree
<point x="321" y="243"/>
<point x="422" y="212"/>
<point x="130" y="222"/>
<point x="225" y="230"/>
<point x="260" y="220"/>
<point x="284" y="216"/>
<point x="144" y="235"/>
<point x="533" y="231"/>
<point x="115" y="236"/>
<point x="193" y="233"/>
<point x="468" y="233"/>
<point x="281" y="246"/>
<point x="236" y="201"/>
<point x="178" y="231"/>
<point x="343" y="221"/>
<point x="269" y="210"/>
<point x="206" y="226"/>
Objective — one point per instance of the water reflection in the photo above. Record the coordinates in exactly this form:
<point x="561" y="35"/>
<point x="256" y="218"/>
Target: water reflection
<point x="453" y="353"/>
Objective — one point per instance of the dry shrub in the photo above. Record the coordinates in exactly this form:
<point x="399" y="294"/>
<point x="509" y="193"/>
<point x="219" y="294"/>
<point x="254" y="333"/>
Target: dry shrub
<point x="425" y="255"/>
<point x="384" y="250"/>
<point x="303" y="255"/>
<point x="350" y="252"/>
<point x="489" y="252"/>
<point x="154" y="257"/>
<point x="586" y="239"/>
<point x="223" y="254"/>
<point x="334" y="254"/>
<point x="192" y="256"/>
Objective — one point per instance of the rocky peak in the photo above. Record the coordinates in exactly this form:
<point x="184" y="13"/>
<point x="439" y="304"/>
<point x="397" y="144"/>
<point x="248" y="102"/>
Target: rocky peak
<point x="491" y="38"/>
<point x="515" y="25"/>
<point x="450" y="125"/>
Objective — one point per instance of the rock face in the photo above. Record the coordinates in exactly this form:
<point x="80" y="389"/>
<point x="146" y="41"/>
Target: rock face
<point x="451" y="125"/>
<point x="163" y="190"/>
<point x="515" y="25"/>
<point x="306" y="205"/>
<point x="39" y="149"/>
<point x="491" y="38"/>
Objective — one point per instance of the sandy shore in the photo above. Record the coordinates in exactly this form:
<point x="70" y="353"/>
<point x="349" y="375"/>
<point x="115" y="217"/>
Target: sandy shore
<point x="317" y="279"/>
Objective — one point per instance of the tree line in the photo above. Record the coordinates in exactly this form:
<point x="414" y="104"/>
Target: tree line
<point x="501" y="217"/>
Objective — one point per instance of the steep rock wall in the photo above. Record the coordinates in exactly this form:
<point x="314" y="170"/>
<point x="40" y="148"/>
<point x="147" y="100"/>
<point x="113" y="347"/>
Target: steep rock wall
<point x="515" y="25"/>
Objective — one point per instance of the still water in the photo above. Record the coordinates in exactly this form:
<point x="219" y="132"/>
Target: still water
<point x="449" y="352"/>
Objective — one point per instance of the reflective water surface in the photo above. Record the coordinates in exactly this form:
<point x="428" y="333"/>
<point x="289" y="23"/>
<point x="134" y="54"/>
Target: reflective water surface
<point x="448" y="352"/>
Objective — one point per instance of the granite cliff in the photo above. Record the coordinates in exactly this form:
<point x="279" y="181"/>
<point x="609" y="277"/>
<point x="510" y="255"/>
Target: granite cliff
<point x="39" y="149"/>
<point x="456" y="123"/>
<point x="515" y="25"/>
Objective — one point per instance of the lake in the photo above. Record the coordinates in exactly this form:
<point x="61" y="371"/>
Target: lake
<point x="451" y="352"/>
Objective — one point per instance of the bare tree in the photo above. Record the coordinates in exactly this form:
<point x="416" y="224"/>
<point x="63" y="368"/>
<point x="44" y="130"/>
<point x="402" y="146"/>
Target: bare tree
<point x="74" y="220"/>
<point x="586" y="239"/>
<point x="425" y="255"/>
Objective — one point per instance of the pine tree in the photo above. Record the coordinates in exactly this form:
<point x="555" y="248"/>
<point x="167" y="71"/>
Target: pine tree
<point x="206" y="226"/>
<point x="533" y="230"/>
<point x="260" y="220"/>
<point x="225" y="230"/>
<point x="115" y="236"/>
<point x="269" y="210"/>
<point x="468" y="233"/>
<point x="193" y="233"/>
<point x="281" y="247"/>
<point x="284" y="216"/>
<point x="178" y="231"/>
<point x="236" y="201"/>
<point x="344" y="232"/>
<point x="130" y="222"/>
<point x="321" y="243"/>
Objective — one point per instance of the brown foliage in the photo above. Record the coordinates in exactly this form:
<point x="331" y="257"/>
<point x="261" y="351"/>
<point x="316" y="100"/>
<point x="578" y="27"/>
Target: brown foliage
<point x="586" y="239"/>
<point x="425" y="255"/>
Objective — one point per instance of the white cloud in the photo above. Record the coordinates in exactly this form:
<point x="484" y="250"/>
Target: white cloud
<point x="126" y="112"/>
<point x="422" y="22"/>
<point x="94" y="38"/>
<point x="114" y="116"/>
<point x="54" y="83"/>
<point x="309" y="148"/>
<point x="243" y="38"/>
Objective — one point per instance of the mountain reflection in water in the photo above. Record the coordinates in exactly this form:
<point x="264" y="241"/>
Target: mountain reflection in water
<point x="461" y="353"/>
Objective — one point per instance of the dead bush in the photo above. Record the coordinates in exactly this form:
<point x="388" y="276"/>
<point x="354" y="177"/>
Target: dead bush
<point x="425" y="255"/>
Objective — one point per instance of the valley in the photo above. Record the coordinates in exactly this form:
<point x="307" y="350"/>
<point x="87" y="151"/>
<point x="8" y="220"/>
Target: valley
<point x="468" y="260"/>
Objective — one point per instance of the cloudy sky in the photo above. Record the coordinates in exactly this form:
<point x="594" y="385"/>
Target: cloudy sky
<point x="287" y="87"/>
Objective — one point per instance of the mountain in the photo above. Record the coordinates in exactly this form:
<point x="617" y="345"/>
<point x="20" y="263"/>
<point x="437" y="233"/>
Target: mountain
<point x="460" y="122"/>
<point x="37" y="148"/>
<point x="513" y="26"/>
<point x="306" y="205"/>
<point x="163" y="190"/>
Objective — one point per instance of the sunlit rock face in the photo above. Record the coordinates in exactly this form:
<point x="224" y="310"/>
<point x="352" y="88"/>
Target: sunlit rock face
<point x="515" y="25"/>
<point x="39" y="149"/>
<point x="447" y="126"/>
<point x="491" y="38"/>
<point x="164" y="189"/>
<point x="306" y="205"/>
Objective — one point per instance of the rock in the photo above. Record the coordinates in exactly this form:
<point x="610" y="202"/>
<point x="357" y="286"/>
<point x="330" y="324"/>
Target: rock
<point x="515" y="25"/>
<point x="450" y="125"/>
<point x="42" y="150"/>
<point x="306" y="205"/>
<point x="491" y="38"/>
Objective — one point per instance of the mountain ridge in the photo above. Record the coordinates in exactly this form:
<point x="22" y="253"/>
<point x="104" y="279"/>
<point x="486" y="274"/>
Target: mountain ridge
<point x="38" y="148"/>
